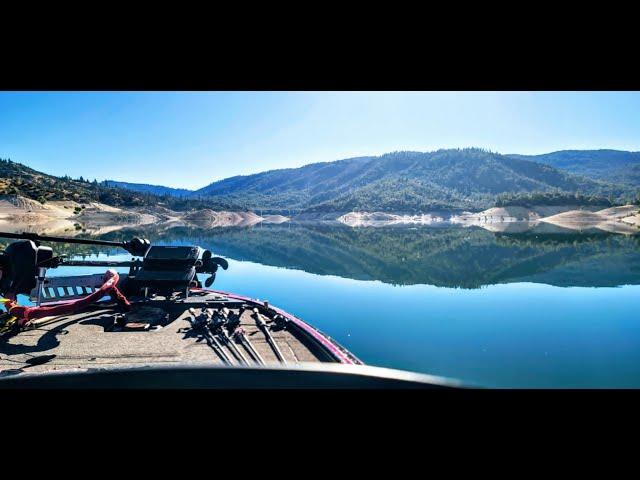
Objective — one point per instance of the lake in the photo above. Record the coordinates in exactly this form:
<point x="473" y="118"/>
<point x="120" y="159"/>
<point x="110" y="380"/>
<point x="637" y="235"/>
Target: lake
<point x="490" y="309"/>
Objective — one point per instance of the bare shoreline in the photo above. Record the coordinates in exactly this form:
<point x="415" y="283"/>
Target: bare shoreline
<point x="623" y="219"/>
<point x="68" y="217"/>
<point x="18" y="214"/>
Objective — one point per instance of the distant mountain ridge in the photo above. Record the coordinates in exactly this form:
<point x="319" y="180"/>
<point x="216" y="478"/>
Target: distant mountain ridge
<point x="147" y="188"/>
<point x="469" y="178"/>
<point x="616" y="166"/>
<point x="404" y="181"/>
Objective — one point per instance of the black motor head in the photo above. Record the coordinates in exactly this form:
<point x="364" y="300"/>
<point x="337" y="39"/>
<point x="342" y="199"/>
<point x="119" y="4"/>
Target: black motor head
<point x="19" y="263"/>
<point x="137" y="246"/>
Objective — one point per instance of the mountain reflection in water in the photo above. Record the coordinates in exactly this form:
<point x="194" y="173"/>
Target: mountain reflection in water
<point x="442" y="256"/>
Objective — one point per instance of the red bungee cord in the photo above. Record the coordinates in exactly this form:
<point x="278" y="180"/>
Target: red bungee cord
<point x="26" y="314"/>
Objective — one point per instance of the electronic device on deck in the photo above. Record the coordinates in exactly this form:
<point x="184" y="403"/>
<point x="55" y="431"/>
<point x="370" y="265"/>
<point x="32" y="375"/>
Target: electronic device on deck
<point x="168" y="268"/>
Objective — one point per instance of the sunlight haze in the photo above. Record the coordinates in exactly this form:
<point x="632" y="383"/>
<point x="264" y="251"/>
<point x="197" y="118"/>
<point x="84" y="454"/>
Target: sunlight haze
<point x="190" y="139"/>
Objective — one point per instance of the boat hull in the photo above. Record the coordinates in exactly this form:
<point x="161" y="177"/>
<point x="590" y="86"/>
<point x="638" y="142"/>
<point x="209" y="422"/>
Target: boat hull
<point x="337" y="351"/>
<point x="169" y="330"/>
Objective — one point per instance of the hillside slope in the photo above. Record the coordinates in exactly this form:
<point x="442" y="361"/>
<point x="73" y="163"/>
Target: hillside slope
<point x="147" y="188"/>
<point x="454" y="179"/>
<point x="613" y="166"/>
<point x="19" y="180"/>
<point x="402" y="181"/>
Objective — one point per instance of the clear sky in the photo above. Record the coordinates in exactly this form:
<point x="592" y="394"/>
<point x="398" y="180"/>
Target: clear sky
<point x="190" y="139"/>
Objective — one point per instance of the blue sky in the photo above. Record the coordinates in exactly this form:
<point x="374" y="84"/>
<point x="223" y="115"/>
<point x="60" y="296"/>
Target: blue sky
<point x="189" y="139"/>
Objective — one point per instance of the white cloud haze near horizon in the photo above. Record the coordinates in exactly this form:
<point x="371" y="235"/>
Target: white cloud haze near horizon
<point x="189" y="139"/>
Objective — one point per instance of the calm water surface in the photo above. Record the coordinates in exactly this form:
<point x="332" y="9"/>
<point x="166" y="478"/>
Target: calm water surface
<point x="527" y="310"/>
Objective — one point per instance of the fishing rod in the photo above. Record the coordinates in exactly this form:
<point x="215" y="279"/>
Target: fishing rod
<point x="262" y="325"/>
<point x="241" y="335"/>
<point x="224" y="321"/>
<point x="203" y="321"/>
<point x="136" y="246"/>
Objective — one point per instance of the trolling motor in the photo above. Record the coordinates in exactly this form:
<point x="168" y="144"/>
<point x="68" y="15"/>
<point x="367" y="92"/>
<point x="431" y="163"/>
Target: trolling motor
<point x="24" y="264"/>
<point x="162" y="269"/>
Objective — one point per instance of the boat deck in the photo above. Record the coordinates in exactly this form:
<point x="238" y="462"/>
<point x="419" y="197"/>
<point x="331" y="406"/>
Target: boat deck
<point x="153" y="331"/>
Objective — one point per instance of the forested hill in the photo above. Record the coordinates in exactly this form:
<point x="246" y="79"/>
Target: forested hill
<point x="146" y="188"/>
<point x="404" y="181"/>
<point x="18" y="179"/>
<point x="465" y="179"/>
<point x="615" y="166"/>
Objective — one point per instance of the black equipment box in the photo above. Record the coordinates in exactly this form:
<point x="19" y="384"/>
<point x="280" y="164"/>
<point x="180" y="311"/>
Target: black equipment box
<point x="168" y="268"/>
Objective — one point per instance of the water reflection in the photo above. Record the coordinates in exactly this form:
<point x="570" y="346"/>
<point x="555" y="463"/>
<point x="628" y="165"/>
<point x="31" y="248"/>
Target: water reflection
<point x="446" y="256"/>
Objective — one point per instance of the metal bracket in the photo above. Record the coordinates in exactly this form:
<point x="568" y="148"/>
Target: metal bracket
<point x="54" y="289"/>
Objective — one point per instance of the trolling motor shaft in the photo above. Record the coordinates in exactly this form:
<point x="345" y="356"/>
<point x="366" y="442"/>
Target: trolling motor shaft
<point x="136" y="246"/>
<point x="42" y="272"/>
<point x="99" y="263"/>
